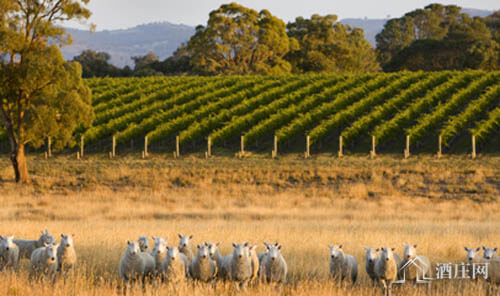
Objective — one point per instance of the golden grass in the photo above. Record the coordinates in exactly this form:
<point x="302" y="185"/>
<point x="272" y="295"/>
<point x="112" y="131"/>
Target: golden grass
<point x="441" y="205"/>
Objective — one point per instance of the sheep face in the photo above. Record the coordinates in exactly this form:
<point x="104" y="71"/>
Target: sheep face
<point x="240" y="251"/>
<point x="172" y="253"/>
<point x="67" y="240"/>
<point x="472" y="253"/>
<point x="143" y="243"/>
<point x="387" y="254"/>
<point x="184" y="242"/>
<point x="203" y="252"/>
<point x="46" y="238"/>
<point x="133" y="248"/>
<point x="160" y="245"/>
<point x="212" y="248"/>
<point x="6" y="242"/>
<point x="410" y="251"/>
<point x="372" y="254"/>
<point x="489" y="252"/>
<point x="51" y="252"/>
<point x="335" y="251"/>
<point x="274" y="251"/>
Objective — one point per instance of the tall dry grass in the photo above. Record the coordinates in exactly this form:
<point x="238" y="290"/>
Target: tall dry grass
<point x="304" y="204"/>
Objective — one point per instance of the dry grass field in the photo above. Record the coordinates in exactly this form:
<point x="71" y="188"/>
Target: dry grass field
<point x="441" y="205"/>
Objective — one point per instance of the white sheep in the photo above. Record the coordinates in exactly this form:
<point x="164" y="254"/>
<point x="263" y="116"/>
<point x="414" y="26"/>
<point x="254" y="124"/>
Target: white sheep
<point x="26" y="247"/>
<point x="342" y="265"/>
<point x="221" y="261"/>
<point x="274" y="268"/>
<point x="66" y="254"/>
<point x="386" y="269"/>
<point x="493" y="271"/>
<point x="144" y="243"/>
<point x="472" y="257"/>
<point x="43" y="262"/>
<point x="372" y="255"/>
<point x="410" y="271"/>
<point x="9" y="253"/>
<point x="159" y="252"/>
<point x="132" y="265"/>
<point x="175" y="266"/>
<point x="490" y="253"/>
<point x="241" y="264"/>
<point x="185" y="247"/>
<point x="203" y="268"/>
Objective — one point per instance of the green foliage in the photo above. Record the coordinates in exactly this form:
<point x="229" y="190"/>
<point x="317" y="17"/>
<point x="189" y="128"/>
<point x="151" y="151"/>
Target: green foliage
<point x="239" y="40"/>
<point x="326" y="45"/>
<point x="95" y="64"/>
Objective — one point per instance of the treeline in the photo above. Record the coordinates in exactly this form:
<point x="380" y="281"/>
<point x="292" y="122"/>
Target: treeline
<point x="237" y="40"/>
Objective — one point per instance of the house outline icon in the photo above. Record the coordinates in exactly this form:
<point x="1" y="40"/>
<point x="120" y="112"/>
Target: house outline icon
<point x="421" y="266"/>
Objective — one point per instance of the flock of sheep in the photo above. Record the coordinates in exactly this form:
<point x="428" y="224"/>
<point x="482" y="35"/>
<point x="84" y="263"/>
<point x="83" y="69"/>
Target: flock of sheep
<point x="176" y="264"/>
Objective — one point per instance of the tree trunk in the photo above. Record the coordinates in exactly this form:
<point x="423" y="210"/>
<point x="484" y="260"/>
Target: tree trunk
<point x="19" y="164"/>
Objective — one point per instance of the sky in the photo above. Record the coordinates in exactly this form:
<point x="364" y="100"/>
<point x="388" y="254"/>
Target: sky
<point x="122" y="14"/>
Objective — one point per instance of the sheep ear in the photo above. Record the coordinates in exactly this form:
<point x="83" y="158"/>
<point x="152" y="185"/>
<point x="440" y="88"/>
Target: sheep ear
<point x="377" y="249"/>
<point x="340" y="246"/>
<point x="234" y="245"/>
<point x="276" y="244"/>
<point x="279" y="247"/>
<point x="180" y="236"/>
<point x="73" y="235"/>
<point x="478" y="249"/>
<point x="191" y="236"/>
<point x="218" y="244"/>
<point x="198" y="246"/>
<point x="466" y="249"/>
<point x="128" y="242"/>
<point x="393" y="249"/>
<point x="484" y="248"/>
<point x="246" y="244"/>
<point x="415" y="246"/>
<point x="495" y="249"/>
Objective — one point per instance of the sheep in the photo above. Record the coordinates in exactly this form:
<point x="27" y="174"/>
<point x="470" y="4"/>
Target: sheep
<point x="493" y="271"/>
<point x="132" y="265"/>
<point x="241" y="264"/>
<point x="174" y="268"/>
<point x="472" y="257"/>
<point x="143" y="243"/>
<point x="26" y="247"/>
<point x="203" y="268"/>
<point x="185" y="247"/>
<point x="274" y="267"/>
<point x="43" y="262"/>
<point x="372" y="255"/>
<point x="490" y="253"/>
<point x="410" y="271"/>
<point x="386" y="269"/>
<point x="66" y="254"/>
<point x="221" y="261"/>
<point x="342" y="265"/>
<point x="9" y="253"/>
<point x="159" y="252"/>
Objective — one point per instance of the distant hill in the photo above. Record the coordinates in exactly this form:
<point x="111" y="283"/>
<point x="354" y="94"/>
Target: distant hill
<point x="164" y="38"/>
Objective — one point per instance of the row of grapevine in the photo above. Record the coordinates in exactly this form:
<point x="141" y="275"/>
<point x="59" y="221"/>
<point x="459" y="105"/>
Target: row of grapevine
<point x="286" y="115"/>
<point x="488" y="127"/>
<point x="433" y="120"/>
<point x="348" y="113"/>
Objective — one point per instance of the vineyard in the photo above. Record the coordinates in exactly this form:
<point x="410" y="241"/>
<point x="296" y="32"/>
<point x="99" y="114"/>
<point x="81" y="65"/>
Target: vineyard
<point x="452" y="106"/>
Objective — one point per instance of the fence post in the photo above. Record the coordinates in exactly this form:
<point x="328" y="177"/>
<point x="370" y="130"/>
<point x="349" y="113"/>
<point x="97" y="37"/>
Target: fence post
<point x="308" y="152"/>
<point x="341" y="152"/>
<point x="209" y="144"/>
<point x="49" y="147"/>
<point x="82" y="146"/>
<point x="473" y="147"/>
<point x="373" y="153"/>
<point x="275" y="150"/>
<point x="177" y="147"/>
<point x="146" y="146"/>
<point x="113" y="153"/>
<point x="78" y="155"/>
<point x="242" y="145"/>
<point x="407" y="150"/>
<point x="440" y="145"/>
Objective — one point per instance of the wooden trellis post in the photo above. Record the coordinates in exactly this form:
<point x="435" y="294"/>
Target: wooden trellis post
<point x="373" y="153"/>
<point x="146" y="146"/>
<point x="341" y="152"/>
<point x="440" y="147"/>
<point x="275" y="150"/>
<point x="177" y="147"/>
<point x="242" y="145"/>
<point x="82" y="145"/>
<point x="49" y="147"/>
<point x="78" y="155"/>
<point x="407" y="150"/>
<point x="113" y="152"/>
<point x="308" y="151"/>
<point x="209" y="148"/>
<point x="474" y="147"/>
